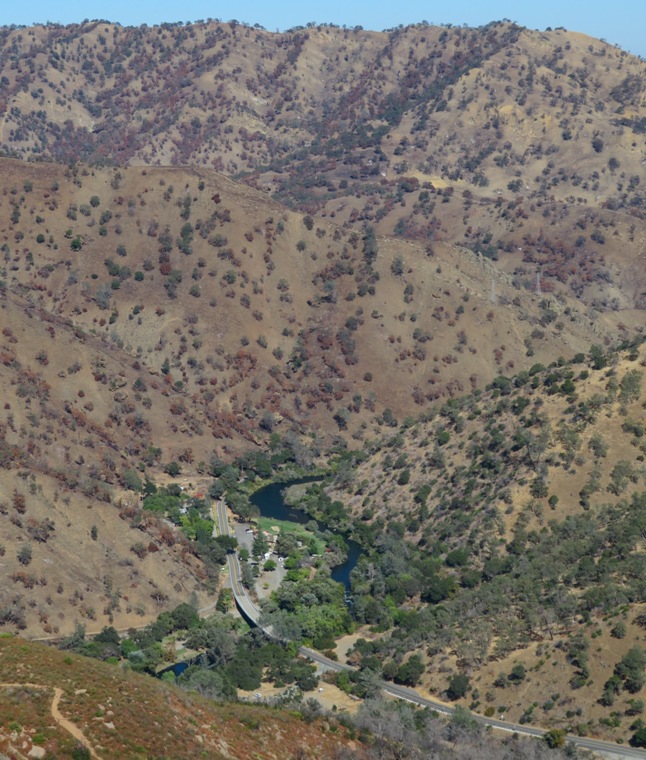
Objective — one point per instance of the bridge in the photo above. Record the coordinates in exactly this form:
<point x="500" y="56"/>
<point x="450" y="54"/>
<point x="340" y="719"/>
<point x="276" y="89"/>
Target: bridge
<point x="251" y="614"/>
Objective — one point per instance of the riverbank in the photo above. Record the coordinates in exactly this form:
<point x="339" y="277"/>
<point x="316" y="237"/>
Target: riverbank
<point x="294" y="476"/>
<point x="277" y="504"/>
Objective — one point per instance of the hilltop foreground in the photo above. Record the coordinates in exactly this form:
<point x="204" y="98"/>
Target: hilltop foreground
<point x="121" y="714"/>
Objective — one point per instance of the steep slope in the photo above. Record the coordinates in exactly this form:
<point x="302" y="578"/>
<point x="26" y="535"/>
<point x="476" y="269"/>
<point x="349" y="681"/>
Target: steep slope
<point x="536" y="426"/>
<point x="230" y="306"/>
<point x="162" y="315"/>
<point x="67" y="705"/>
<point x="408" y="216"/>
<point x="219" y="95"/>
<point x="235" y="98"/>
<point x="509" y="530"/>
<point x="45" y="695"/>
<point x="523" y="147"/>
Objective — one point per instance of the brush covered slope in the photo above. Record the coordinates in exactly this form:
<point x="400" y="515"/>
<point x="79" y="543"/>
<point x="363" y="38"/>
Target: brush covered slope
<point x="243" y="314"/>
<point x="160" y="317"/>
<point x="117" y="713"/>
<point x="523" y="146"/>
<point x="65" y="705"/>
<point x="461" y="103"/>
<point x="521" y="514"/>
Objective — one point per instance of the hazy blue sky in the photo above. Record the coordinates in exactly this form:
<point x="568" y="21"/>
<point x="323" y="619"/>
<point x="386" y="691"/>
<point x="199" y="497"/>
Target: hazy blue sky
<point x="621" y="22"/>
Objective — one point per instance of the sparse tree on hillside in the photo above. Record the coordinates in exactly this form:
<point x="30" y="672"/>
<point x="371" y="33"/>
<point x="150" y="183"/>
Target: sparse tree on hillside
<point x="24" y="554"/>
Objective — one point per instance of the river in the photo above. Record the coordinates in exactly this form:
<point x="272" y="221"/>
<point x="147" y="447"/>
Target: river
<point x="270" y="502"/>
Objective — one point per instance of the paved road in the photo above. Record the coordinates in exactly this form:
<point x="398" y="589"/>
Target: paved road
<point x="248" y="609"/>
<point x="252" y="614"/>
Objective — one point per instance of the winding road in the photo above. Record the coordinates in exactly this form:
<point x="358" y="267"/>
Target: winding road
<point x="251" y="613"/>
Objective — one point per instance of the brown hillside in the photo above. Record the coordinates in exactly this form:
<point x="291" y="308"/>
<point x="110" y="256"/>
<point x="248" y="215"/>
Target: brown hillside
<point x="231" y="307"/>
<point x="524" y="146"/>
<point x="117" y="713"/>
<point x="163" y="314"/>
<point x="211" y="233"/>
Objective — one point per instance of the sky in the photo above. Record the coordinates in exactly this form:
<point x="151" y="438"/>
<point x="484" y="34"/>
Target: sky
<point x="620" y="22"/>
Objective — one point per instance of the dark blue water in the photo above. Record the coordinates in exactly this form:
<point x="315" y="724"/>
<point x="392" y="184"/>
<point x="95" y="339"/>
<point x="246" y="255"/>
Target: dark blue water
<point x="177" y="669"/>
<point x="270" y="502"/>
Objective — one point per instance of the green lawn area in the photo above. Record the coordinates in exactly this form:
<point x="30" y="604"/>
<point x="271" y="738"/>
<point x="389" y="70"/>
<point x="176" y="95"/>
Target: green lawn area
<point x="271" y="525"/>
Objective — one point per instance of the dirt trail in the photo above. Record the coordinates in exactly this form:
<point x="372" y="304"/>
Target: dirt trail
<point x="56" y="714"/>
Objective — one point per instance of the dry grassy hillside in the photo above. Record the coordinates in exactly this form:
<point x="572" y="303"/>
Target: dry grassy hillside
<point x="219" y="95"/>
<point x="129" y="342"/>
<point x="236" y="98"/>
<point x="509" y="528"/>
<point x="165" y="315"/>
<point x="69" y="556"/>
<point x="240" y="313"/>
<point x="565" y="426"/>
<point x="213" y="238"/>
<point x="496" y="138"/>
<point x="64" y="704"/>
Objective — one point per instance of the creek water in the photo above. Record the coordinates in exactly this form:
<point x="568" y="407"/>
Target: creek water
<point x="270" y="502"/>
<point x="177" y="668"/>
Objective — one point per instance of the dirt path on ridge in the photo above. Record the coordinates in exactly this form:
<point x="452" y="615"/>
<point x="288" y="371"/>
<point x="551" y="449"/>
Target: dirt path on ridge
<point x="62" y="721"/>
